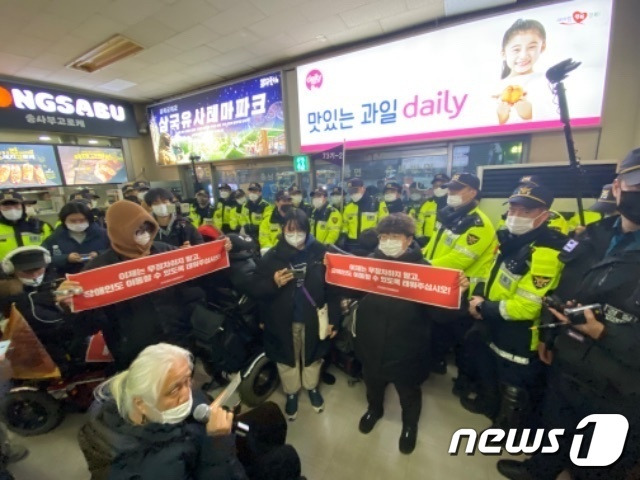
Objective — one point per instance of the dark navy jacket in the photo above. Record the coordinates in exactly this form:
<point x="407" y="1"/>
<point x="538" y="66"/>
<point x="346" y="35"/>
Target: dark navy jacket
<point x="60" y="244"/>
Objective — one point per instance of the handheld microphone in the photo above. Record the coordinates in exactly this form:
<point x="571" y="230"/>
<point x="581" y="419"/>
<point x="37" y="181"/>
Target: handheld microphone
<point x="202" y="413"/>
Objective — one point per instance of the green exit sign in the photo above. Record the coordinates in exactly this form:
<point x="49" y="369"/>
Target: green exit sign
<point x="301" y="163"/>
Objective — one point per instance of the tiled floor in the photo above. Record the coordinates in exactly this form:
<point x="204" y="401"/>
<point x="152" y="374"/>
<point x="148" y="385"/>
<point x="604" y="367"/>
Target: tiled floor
<point x="330" y="445"/>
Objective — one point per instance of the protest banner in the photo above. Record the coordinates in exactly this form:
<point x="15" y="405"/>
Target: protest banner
<point x="408" y="281"/>
<point x="97" y="351"/>
<point x="122" y="281"/>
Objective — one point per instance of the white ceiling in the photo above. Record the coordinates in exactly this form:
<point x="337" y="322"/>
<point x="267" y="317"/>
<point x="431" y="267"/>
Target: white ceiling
<point x="189" y="43"/>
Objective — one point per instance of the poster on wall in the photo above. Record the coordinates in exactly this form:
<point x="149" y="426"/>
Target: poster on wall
<point x="23" y="165"/>
<point x="243" y="119"/>
<point x="485" y="77"/>
<point x="92" y="165"/>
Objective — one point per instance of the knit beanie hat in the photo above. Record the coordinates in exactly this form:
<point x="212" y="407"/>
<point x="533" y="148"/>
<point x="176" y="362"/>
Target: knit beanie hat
<point x="123" y="219"/>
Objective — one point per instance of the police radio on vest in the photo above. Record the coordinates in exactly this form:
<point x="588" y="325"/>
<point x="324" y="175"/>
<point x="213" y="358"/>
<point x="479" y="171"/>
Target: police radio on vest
<point x="28" y="100"/>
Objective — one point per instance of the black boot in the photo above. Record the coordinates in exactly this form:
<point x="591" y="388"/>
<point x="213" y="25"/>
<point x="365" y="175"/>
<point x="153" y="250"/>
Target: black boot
<point x="485" y="403"/>
<point x="514" y="408"/>
<point x="514" y="470"/>
<point x="463" y="386"/>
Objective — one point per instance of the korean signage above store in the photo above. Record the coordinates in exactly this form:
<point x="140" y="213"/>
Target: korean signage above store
<point x="243" y="119"/>
<point x="485" y="77"/>
<point x="45" y="109"/>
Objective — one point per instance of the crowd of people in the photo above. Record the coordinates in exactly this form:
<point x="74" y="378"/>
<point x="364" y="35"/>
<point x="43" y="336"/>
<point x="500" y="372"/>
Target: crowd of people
<point x="527" y="355"/>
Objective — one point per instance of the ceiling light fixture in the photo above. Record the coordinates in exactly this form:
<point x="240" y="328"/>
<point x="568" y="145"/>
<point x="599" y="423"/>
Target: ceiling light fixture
<point x="44" y="138"/>
<point x="93" y="142"/>
<point x="112" y="50"/>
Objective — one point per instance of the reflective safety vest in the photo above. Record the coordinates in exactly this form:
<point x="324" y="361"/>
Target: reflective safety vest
<point x="199" y="220"/>
<point x="326" y="224"/>
<point x="589" y="218"/>
<point x="426" y="222"/>
<point x="515" y="290"/>
<point x="270" y="230"/>
<point x="394" y="207"/>
<point x="468" y="245"/>
<point x="253" y="214"/>
<point x="24" y="233"/>
<point x="355" y="219"/>
<point x="222" y="215"/>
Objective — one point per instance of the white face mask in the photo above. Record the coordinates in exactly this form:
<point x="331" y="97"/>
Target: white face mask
<point x="32" y="282"/>
<point x="336" y="199"/>
<point x="416" y="197"/>
<point x="77" y="227"/>
<point x="142" y="239"/>
<point x="440" y="192"/>
<point x="161" y="210"/>
<point x="318" y="202"/>
<point x="295" y="239"/>
<point x="391" y="247"/>
<point x="30" y="211"/>
<point x="519" y="225"/>
<point x="13" y="214"/>
<point x="94" y="204"/>
<point x="390" y="197"/>
<point x="224" y="194"/>
<point x="454" y="200"/>
<point x="241" y="200"/>
<point x="254" y="197"/>
<point x="356" y="197"/>
<point x="176" y="414"/>
<point x="296" y="199"/>
<point x="141" y="196"/>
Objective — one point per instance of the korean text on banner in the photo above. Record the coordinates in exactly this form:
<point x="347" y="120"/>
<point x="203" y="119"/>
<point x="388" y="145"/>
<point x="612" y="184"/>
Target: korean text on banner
<point x="408" y="281"/>
<point x="122" y="281"/>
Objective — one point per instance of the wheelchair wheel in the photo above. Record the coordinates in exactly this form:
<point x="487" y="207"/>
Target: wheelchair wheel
<point x="30" y="412"/>
<point x="260" y="383"/>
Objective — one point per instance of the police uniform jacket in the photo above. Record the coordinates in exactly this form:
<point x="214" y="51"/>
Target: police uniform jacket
<point x="198" y="214"/>
<point x="326" y="224"/>
<point x="254" y="213"/>
<point x="24" y="232"/>
<point x="359" y="216"/>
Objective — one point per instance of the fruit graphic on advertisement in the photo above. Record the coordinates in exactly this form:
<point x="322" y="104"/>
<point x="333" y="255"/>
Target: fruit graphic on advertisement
<point x="16" y="174"/>
<point x="512" y="94"/>
<point x="27" y="172"/>
<point x="39" y="173"/>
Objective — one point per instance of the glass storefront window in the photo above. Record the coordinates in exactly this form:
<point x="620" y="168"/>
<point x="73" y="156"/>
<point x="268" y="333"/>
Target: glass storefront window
<point x="466" y="158"/>
<point x="271" y="177"/>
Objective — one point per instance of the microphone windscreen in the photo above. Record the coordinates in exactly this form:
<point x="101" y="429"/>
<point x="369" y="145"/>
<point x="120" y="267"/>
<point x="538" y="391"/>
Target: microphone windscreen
<point x="201" y="413"/>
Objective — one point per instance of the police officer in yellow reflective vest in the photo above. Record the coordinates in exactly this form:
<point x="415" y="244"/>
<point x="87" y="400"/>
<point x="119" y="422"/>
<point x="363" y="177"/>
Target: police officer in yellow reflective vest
<point x="201" y="211"/>
<point x="255" y="210"/>
<point x="16" y="230"/>
<point x="525" y="268"/>
<point x="360" y="214"/>
<point x="465" y="240"/>
<point x="556" y="221"/>
<point x="391" y="200"/>
<point x="326" y="221"/>
<point x="416" y="199"/>
<point x="238" y="220"/>
<point x="271" y="226"/>
<point x="223" y="209"/>
<point x="426" y="222"/>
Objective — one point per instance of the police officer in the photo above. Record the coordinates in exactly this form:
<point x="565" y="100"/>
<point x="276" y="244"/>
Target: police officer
<point x="141" y="188"/>
<point x="416" y="199"/>
<point x="271" y="226"/>
<point x="525" y="268"/>
<point x="336" y="198"/>
<point x="238" y="220"/>
<point x="595" y="366"/>
<point x="605" y="206"/>
<point x="173" y="228"/>
<point x="223" y="208"/>
<point x="16" y="229"/>
<point x="360" y="214"/>
<point x="427" y="213"/>
<point x="201" y="211"/>
<point x="130" y="193"/>
<point x="298" y="200"/>
<point x="255" y="210"/>
<point x="326" y="221"/>
<point x="556" y="221"/>
<point x="392" y="200"/>
<point x="464" y="239"/>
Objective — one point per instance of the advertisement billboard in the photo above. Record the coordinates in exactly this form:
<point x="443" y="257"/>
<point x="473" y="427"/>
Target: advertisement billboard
<point x="30" y="107"/>
<point x="92" y="165"/>
<point x="243" y="119"/>
<point x="23" y="165"/>
<point x="485" y="77"/>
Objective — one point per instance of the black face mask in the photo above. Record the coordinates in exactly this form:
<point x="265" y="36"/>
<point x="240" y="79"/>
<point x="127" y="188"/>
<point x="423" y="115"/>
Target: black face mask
<point x="630" y="206"/>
